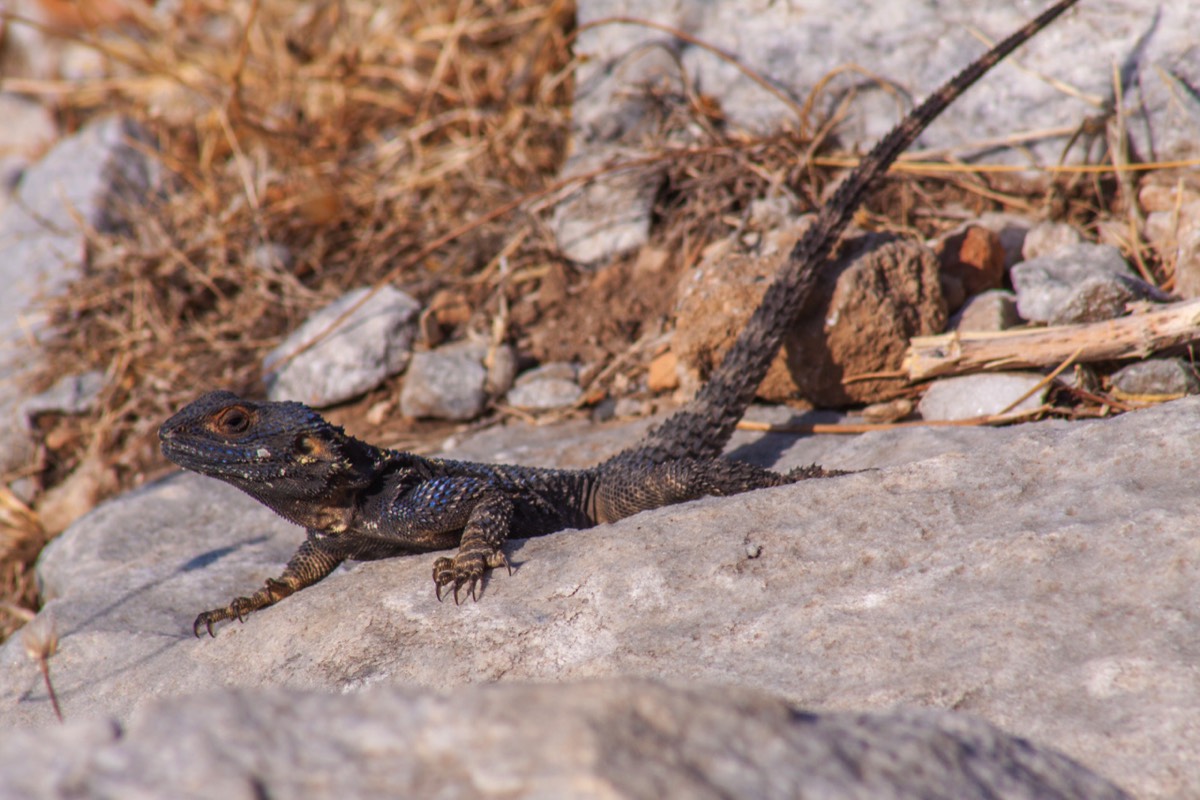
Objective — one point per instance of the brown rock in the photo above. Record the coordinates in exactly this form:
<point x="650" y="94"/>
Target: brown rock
<point x="661" y="376"/>
<point x="975" y="257"/>
<point x="884" y="291"/>
<point x="718" y="297"/>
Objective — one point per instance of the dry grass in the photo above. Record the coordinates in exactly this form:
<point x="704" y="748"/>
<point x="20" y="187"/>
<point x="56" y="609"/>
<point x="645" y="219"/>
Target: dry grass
<point x="314" y="147"/>
<point x="339" y="137"/>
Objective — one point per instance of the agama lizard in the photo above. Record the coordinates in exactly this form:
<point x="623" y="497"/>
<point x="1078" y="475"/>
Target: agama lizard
<point x="362" y="502"/>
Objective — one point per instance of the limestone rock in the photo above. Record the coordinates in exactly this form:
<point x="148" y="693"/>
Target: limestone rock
<point x="1048" y="239"/>
<point x="1039" y="577"/>
<point x="985" y="394"/>
<point x="631" y="738"/>
<point x="1079" y="283"/>
<point x="1098" y="298"/>
<point x="371" y="345"/>
<point x="88" y="179"/>
<point x="995" y="310"/>
<point x="548" y="387"/>
<point x="447" y="383"/>
<point x="1156" y="379"/>
<point x="616" y="113"/>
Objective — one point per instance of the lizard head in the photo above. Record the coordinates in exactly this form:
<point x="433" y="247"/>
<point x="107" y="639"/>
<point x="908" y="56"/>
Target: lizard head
<point x="273" y="451"/>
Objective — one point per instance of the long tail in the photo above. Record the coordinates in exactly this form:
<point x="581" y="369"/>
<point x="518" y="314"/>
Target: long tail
<point x="703" y="427"/>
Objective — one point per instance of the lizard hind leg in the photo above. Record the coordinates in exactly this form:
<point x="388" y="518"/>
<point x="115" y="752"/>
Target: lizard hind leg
<point x="484" y="534"/>
<point x="314" y="560"/>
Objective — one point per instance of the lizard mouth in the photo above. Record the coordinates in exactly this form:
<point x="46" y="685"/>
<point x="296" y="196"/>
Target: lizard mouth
<point x="203" y="458"/>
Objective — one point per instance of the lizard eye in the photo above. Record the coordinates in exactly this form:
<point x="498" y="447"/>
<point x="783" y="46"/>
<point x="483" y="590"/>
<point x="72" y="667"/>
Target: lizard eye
<point x="234" y="420"/>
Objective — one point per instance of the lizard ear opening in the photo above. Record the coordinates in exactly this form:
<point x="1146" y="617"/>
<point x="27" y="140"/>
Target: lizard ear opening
<point x="307" y="445"/>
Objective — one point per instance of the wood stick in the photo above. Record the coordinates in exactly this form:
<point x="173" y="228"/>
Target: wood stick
<point x="1135" y="336"/>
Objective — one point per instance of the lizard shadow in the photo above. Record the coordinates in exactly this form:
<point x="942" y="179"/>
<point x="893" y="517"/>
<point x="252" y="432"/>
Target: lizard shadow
<point x="766" y="450"/>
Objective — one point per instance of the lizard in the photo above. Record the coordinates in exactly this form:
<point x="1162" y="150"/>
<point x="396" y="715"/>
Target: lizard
<point x="362" y="502"/>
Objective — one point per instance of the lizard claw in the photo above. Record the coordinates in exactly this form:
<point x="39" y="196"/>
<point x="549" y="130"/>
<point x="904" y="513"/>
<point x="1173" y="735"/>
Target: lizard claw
<point x="464" y="572"/>
<point x="471" y="582"/>
<point x="443" y="575"/>
<point x="206" y="620"/>
<point x="498" y="559"/>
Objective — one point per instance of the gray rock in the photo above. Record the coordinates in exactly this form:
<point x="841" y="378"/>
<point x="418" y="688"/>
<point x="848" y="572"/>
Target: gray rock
<point x="1040" y="577"/>
<point x="1157" y="377"/>
<point x="1048" y="239"/>
<point x="72" y="394"/>
<point x="993" y="310"/>
<point x="631" y="738"/>
<point x="608" y="216"/>
<point x="547" y="387"/>
<point x="501" y="364"/>
<point x="545" y="395"/>
<point x="447" y="383"/>
<point x="970" y="396"/>
<point x="617" y="111"/>
<point x="1080" y="279"/>
<point x="11" y="169"/>
<point x="630" y="78"/>
<point x="916" y="46"/>
<point x="85" y="178"/>
<point x="370" y="346"/>
<point x="1098" y="298"/>
<point x="89" y="179"/>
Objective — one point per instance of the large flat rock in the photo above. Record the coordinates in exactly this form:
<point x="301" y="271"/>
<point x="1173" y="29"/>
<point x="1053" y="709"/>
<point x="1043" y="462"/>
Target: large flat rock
<point x="1044" y="578"/>
<point x="594" y="739"/>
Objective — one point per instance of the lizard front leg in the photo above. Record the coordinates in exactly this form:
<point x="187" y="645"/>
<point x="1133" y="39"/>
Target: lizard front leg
<point x="315" y="559"/>
<point x="484" y="534"/>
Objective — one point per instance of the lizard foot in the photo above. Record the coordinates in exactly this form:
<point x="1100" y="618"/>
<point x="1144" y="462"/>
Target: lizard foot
<point x="237" y="609"/>
<point x="465" y="569"/>
<point x="241" y="607"/>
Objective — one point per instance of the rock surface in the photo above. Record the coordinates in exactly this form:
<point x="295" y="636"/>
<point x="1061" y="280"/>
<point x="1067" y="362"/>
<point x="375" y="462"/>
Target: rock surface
<point x="369" y="346"/>
<point x="629" y="76"/>
<point x="575" y="740"/>
<point x="918" y="45"/>
<point x="1044" y="578"/>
